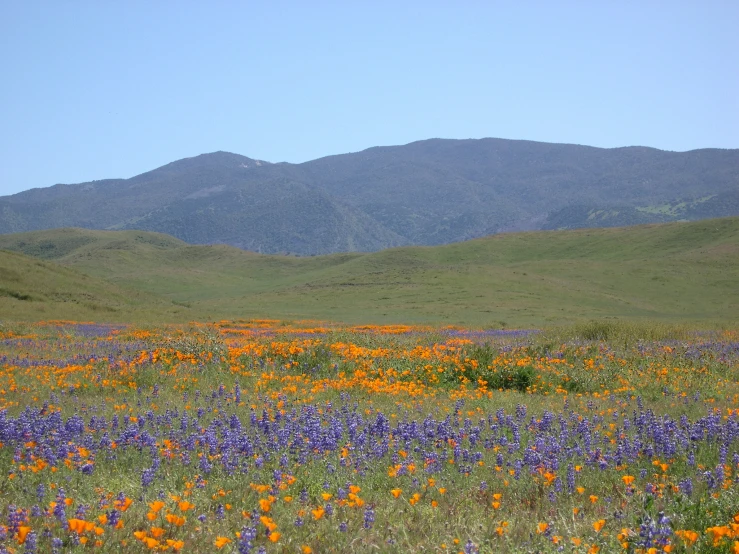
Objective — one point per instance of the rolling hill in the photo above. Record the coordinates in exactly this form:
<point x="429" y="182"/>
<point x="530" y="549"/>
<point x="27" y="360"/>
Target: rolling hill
<point x="425" y="193"/>
<point x="671" y="272"/>
<point x="33" y="289"/>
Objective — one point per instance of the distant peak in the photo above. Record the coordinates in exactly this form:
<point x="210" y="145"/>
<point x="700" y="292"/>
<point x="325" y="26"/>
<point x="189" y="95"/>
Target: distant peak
<point x="212" y="160"/>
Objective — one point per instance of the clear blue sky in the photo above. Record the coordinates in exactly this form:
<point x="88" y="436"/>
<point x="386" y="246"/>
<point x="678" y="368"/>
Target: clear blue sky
<point x="93" y="90"/>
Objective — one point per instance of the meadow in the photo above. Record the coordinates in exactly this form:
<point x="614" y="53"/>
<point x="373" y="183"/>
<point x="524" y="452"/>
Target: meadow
<point x="672" y="272"/>
<point x="305" y="436"/>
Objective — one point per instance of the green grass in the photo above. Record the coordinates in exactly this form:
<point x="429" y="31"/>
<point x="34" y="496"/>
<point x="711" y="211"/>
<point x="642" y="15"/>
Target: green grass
<point x="676" y="272"/>
<point x="33" y="289"/>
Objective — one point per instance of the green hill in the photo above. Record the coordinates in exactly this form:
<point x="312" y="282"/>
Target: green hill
<point x="671" y="272"/>
<point x="33" y="289"/>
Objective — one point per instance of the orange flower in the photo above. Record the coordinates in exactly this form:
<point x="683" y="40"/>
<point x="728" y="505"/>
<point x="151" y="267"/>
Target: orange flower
<point x="305" y="549"/>
<point x="274" y="537"/>
<point x="80" y="525"/>
<point x="593" y="499"/>
<point x="687" y="535"/>
<point x="156" y="506"/>
<point x="123" y="505"/>
<point x="396" y="492"/>
<point x="627" y="479"/>
<point x="175" y="545"/>
<point x="598" y="525"/>
<point x="265" y="505"/>
<point x="326" y="495"/>
<point x="318" y="513"/>
<point x="178" y="521"/>
<point x="185" y="505"/>
<point x="220" y="542"/>
<point x="156" y="532"/>
<point x="268" y="523"/>
<point x="23" y="531"/>
<point x="151" y="543"/>
<point x="542" y="527"/>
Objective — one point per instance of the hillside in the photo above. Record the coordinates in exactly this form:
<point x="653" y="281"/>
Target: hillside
<point x="425" y="193"/>
<point x="33" y="289"/>
<point x="672" y="272"/>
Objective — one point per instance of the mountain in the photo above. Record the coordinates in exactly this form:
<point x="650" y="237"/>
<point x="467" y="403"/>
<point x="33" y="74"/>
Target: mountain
<point x="425" y="193"/>
<point x="679" y="272"/>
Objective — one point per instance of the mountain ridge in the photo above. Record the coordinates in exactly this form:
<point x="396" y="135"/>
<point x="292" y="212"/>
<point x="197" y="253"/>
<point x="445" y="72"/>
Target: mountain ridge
<point x="428" y="192"/>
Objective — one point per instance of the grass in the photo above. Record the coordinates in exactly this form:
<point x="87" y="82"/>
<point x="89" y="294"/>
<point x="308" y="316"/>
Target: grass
<point x="32" y="289"/>
<point x="669" y="273"/>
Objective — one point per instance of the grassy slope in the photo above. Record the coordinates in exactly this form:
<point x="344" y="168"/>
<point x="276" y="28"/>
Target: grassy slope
<point x="677" y="271"/>
<point x="34" y="289"/>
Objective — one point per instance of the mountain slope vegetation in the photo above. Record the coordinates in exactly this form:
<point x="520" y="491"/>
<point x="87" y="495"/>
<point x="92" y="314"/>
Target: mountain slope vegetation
<point x="671" y="272"/>
<point x="425" y="193"/>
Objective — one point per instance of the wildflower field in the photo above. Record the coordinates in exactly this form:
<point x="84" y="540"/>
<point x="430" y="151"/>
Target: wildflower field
<point x="268" y="436"/>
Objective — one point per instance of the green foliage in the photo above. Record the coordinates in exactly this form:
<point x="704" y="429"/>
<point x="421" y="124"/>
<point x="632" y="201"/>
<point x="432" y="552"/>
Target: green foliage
<point x="629" y="332"/>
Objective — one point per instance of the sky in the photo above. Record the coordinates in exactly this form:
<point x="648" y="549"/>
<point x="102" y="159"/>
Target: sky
<point x="95" y="90"/>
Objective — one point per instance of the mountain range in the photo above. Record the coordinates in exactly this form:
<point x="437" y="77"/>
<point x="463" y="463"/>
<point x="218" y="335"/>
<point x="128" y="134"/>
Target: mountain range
<point x="429" y="192"/>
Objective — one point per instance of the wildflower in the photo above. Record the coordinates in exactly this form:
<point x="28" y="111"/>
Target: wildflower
<point x="598" y="525"/>
<point x="369" y="517"/>
<point x="178" y="521"/>
<point x="220" y="542"/>
<point x="156" y="506"/>
<point x="396" y="492"/>
<point x="23" y="533"/>
<point x="185" y="506"/>
<point x="690" y="537"/>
